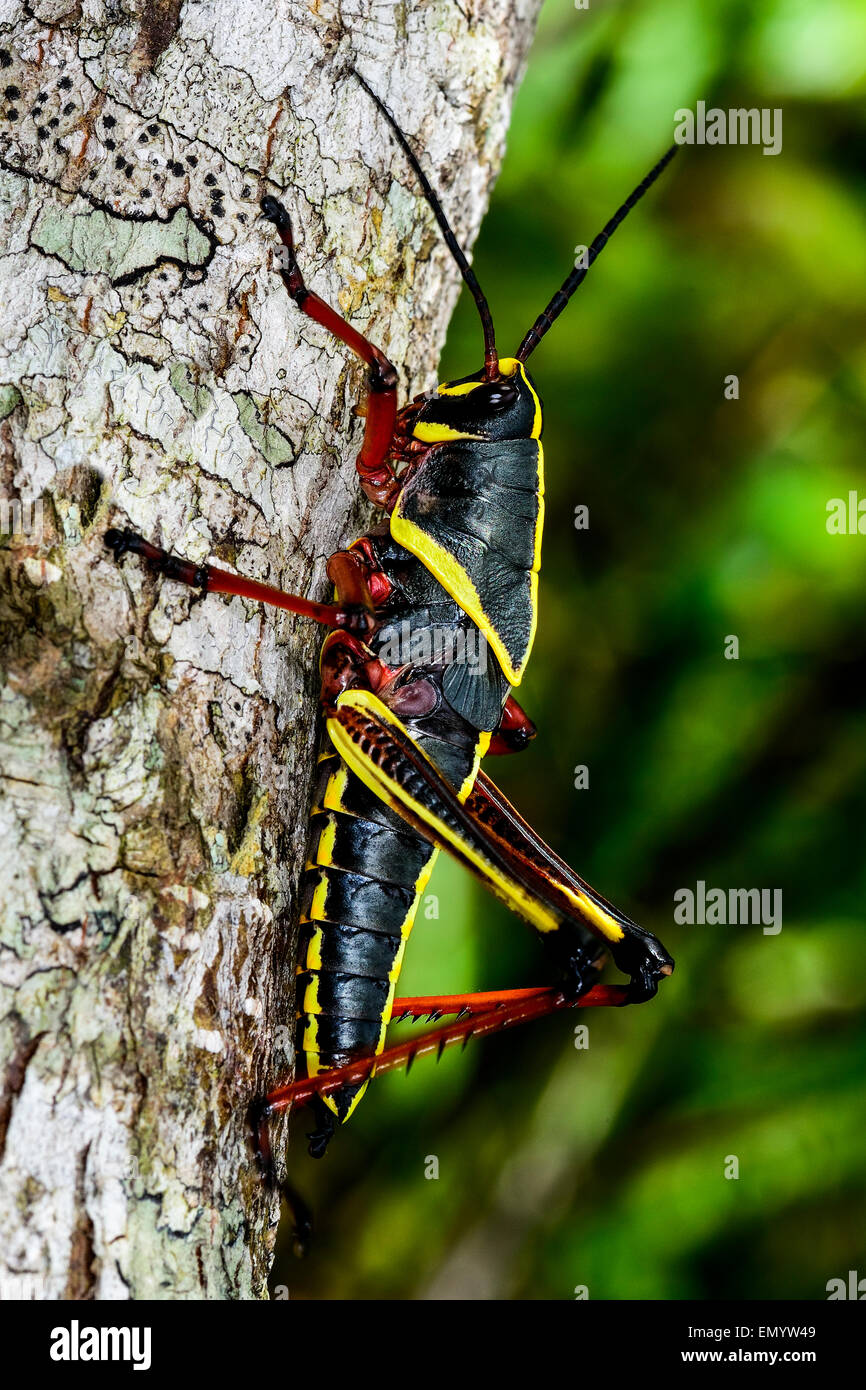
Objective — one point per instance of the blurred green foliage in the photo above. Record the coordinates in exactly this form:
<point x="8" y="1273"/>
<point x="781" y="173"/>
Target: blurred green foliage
<point x="605" y="1167"/>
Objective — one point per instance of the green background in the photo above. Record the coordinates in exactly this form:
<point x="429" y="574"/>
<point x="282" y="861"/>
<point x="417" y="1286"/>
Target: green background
<point x="605" y="1167"/>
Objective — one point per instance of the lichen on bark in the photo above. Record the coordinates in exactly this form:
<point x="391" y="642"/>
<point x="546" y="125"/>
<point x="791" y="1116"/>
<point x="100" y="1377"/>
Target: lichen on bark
<point x="155" y="748"/>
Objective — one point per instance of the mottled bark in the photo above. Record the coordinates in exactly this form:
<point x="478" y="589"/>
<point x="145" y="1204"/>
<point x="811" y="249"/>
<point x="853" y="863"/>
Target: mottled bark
<point x="156" y="749"/>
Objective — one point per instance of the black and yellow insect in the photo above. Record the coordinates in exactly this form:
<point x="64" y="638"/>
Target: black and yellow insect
<point x="408" y="716"/>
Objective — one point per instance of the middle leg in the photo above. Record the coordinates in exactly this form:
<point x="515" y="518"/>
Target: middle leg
<point x="353" y="610"/>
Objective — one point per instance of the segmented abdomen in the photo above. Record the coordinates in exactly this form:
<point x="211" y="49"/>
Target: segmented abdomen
<point x="365" y="877"/>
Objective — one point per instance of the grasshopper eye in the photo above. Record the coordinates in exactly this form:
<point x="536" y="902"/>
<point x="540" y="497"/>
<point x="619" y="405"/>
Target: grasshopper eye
<point x="500" y="395"/>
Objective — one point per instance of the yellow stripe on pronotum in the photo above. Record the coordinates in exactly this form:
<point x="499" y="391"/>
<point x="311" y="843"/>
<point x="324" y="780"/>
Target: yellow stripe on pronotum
<point x="454" y="579"/>
<point x="444" y="565"/>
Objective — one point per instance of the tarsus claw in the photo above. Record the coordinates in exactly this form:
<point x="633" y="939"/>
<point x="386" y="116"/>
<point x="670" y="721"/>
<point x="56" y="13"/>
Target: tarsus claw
<point x="276" y="213"/>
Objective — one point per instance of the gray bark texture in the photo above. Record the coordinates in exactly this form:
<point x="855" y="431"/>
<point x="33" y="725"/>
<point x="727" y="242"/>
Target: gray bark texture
<point x="157" y="749"/>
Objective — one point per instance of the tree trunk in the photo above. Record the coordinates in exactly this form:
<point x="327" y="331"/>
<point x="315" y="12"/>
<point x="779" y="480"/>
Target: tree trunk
<point x="156" y="749"/>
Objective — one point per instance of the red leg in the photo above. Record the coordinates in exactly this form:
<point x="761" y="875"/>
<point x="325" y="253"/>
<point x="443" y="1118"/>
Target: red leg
<point x="515" y="729"/>
<point x="353" y="611"/>
<point x="534" y="1004"/>
<point x="347" y="574"/>
<point x="344" y="660"/>
<point x="435" y="1006"/>
<point x="378" y="478"/>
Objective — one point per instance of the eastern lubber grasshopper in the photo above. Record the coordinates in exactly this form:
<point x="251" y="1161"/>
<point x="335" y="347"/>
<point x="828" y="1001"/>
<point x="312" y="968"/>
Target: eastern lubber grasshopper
<point x="459" y="474"/>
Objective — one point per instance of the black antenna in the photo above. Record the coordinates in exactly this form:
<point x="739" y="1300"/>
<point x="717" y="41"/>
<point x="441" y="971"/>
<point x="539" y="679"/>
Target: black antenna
<point x="547" y="317"/>
<point x="491" y="358"/>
